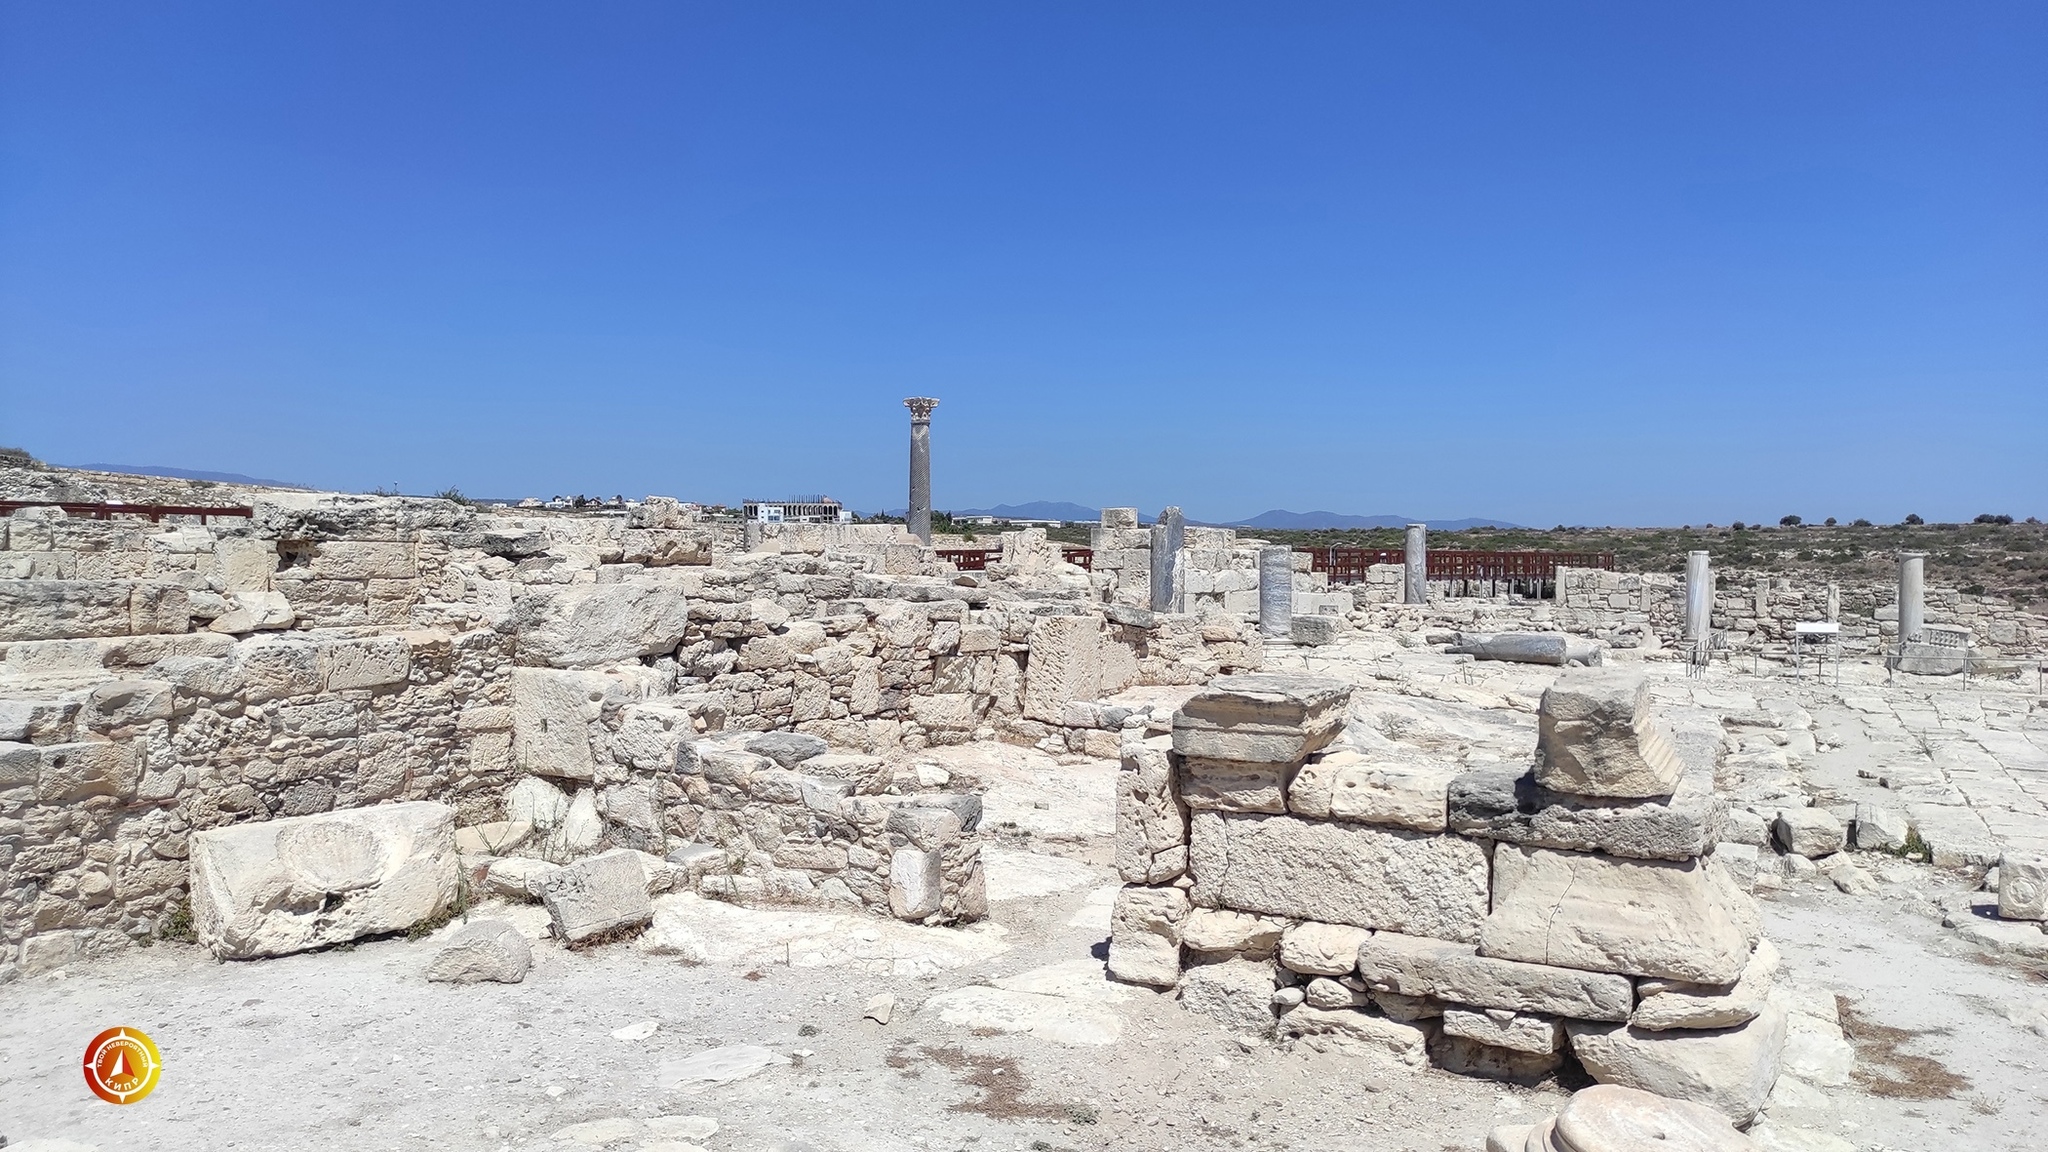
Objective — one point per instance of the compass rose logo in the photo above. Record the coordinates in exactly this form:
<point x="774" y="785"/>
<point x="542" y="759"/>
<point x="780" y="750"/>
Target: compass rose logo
<point x="122" y="1065"/>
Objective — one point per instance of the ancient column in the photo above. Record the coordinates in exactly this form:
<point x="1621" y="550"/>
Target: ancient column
<point x="1276" y="590"/>
<point x="1169" y="536"/>
<point x="1912" y="596"/>
<point x="1415" y="574"/>
<point x="920" y="514"/>
<point x="1699" y="596"/>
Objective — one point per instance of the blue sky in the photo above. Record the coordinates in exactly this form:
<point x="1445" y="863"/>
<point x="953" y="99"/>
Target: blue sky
<point x="1611" y="263"/>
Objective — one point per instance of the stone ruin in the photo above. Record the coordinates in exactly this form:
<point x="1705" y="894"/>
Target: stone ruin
<point x="1288" y="884"/>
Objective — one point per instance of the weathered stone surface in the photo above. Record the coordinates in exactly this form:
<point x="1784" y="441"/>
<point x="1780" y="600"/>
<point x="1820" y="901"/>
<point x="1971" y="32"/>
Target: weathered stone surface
<point x="1350" y="786"/>
<point x="1603" y="914"/>
<point x="70" y="772"/>
<point x="1261" y="718"/>
<point x="1730" y="1069"/>
<point x="1065" y="665"/>
<point x="1151" y="821"/>
<point x="1323" y="992"/>
<point x="1221" y="930"/>
<point x="587" y="625"/>
<point x="1554" y="648"/>
<point x="484" y="950"/>
<point x="1880" y="828"/>
<point x="551" y="716"/>
<point x="1316" y="949"/>
<point x="1614" y="1118"/>
<point x="788" y="749"/>
<point x="1598" y="735"/>
<point x="597" y="894"/>
<point x="281" y="886"/>
<point x="1234" y="785"/>
<point x="916" y="882"/>
<point x="1314" y="631"/>
<point x="1468" y="1057"/>
<point x="1350" y="1030"/>
<point x="2023" y="886"/>
<point x="1237" y="994"/>
<point x="1530" y="1032"/>
<point x="1418" y="967"/>
<point x="1145" y="930"/>
<point x="1340" y="873"/>
<point x="1809" y="832"/>
<point x="1665" y="1004"/>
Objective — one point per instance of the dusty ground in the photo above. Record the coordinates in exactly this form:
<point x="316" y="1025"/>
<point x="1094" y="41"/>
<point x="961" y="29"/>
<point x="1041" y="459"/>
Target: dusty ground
<point x="353" y="1047"/>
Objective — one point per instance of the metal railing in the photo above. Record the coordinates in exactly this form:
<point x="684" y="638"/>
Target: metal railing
<point x="154" y="512"/>
<point x="978" y="559"/>
<point x="1353" y="565"/>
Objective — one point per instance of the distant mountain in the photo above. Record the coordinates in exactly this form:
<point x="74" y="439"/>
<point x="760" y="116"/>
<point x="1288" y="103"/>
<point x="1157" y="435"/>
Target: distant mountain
<point x="182" y="474"/>
<point x="1035" y="510"/>
<point x="1281" y="519"/>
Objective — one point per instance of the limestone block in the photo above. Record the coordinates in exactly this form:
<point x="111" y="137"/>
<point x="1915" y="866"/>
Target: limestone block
<point x="1126" y="518"/>
<point x="1145" y="934"/>
<point x="632" y="815"/>
<point x="1314" y="631"/>
<point x="62" y="609"/>
<point x="1598" y="735"/>
<point x="954" y="712"/>
<point x="1741" y="861"/>
<point x="1880" y="828"/>
<point x="1604" y="914"/>
<point x="916" y="883"/>
<point x="2023" y="886"/>
<point x="1234" y="785"/>
<point x="70" y="772"/>
<point x="482" y="950"/>
<point x="1809" y="832"/>
<point x="1237" y="994"/>
<point x="551" y="716"/>
<point x="1261" y="718"/>
<point x="1323" y="992"/>
<point x="374" y="662"/>
<point x="979" y="640"/>
<point x="20" y="765"/>
<point x="585" y="625"/>
<point x="1612" y="1118"/>
<point x="518" y="877"/>
<point x="1354" y="1032"/>
<point x="1316" y="949"/>
<point x="1151" y="821"/>
<point x="275" y="668"/>
<point x="1465" y="1056"/>
<point x="1530" y="1032"/>
<point x="650" y="737"/>
<point x="280" y="886"/>
<point x="1444" y="970"/>
<point x="1241" y="933"/>
<point x="597" y="894"/>
<point x="536" y="803"/>
<point x="122" y="703"/>
<point x="1065" y="664"/>
<point x="252" y="611"/>
<point x="1350" y="786"/>
<point x="1667" y="1004"/>
<point x="1729" y="1069"/>
<point x="1339" y="873"/>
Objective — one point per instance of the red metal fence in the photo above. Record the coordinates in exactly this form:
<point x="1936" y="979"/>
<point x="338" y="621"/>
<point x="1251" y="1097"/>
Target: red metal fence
<point x="977" y="559"/>
<point x="1349" y="565"/>
<point x="155" y="512"/>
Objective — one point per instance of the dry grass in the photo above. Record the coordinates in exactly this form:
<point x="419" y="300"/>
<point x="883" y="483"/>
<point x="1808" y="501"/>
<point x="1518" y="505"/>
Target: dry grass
<point x="1003" y="1088"/>
<point x="1883" y="1070"/>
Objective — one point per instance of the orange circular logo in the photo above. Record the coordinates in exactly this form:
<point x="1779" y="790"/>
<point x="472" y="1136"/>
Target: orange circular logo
<point x="122" y="1065"/>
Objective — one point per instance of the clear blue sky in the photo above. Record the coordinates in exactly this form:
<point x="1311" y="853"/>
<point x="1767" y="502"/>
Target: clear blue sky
<point x="1619" y="263"/>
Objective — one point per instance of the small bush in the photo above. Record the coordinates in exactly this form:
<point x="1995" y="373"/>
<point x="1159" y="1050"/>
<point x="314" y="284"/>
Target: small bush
<point x="1989" y="518"/>
<point x="1914" y="518"/>
<point x="1738" y="525"/>
<point x="1830" y="521"/>
<point x="177" y="924"/>
<point x="1859" y="522"/>
<point x="1790" y="521"/>
<point x="454" y="495"/>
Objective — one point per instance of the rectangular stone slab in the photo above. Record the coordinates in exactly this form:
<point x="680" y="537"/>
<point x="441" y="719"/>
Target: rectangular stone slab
<point x="1598" y="735"/>
<point x="1339" y="873"/>
<point x="1151" y="821"/>
<point x="1234" y="785"/>
<point x="1444" y="970"/>
<point x="1508" y="805"/>
<point x="1262" y="717"/>
<point x="1603" y="914"/>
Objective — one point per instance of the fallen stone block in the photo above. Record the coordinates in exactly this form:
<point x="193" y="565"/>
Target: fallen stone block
<point x="1667" y="1004"/>
<point x="1554" y="648"/>
<point x="1145" y="934"/>
<point x="1315" y="631"/>
<point x="281" y="886"/>
<point x="1611" y="1118"/>
<point x="1151" y="820"/>
<point x="1339" y="873"/>
<point x="484" y="950"/>
<point x="1598" y="735"/>
<point x="1809" y="832"/>
<point x="788" y="749"/>
<point x="602" y="893"/>
<point x="1636" y="917"/>
<point x="1352" y="1031"/>
<point x="1261" y="718"/>
<point x="1730" y="1069"/>
<point x="1237" y="994"/>
<point x="518" y="877"/>
<point x="1443" y="970"/>
<point x="2023" y="886"/>
<point x="1880" y="828"/>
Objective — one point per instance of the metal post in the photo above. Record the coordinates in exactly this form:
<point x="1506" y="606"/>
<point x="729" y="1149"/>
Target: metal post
<point x="1415" y="566"/>
<point x="920" y="514"/>
<point x="1276" y="590"/>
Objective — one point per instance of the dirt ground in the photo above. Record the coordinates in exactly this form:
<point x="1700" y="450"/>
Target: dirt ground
<point x="353" y="1047"/>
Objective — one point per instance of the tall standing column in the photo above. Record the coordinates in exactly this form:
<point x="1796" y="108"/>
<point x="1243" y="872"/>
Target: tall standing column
<point x="1912" y="596"/>
<point x="1276" y="590"/>
<point x="1415" y="566"/>
<point x="920" y="514"/>
<point x="1169" y="536"/>
<point x="1699" y="596"/>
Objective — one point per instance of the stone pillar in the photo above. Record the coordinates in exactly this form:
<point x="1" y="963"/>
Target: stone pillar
<point x="1912" y="596"/>
<point x="1834" y="602"/>
<point x="1276" y="590"/>
<point x="1415" y="568"/>
<point x="1169" y="583"/>
<point x="1699" y="596"/>
<point x="920" y="513"/>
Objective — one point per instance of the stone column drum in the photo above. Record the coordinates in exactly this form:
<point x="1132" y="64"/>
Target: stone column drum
<point x="1276" y="590"/>
<point x="920" y="514"/>
<point x="1912" y="597"/>
<point x="1415" y="566"/>
<point x="1699" y="596"/>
